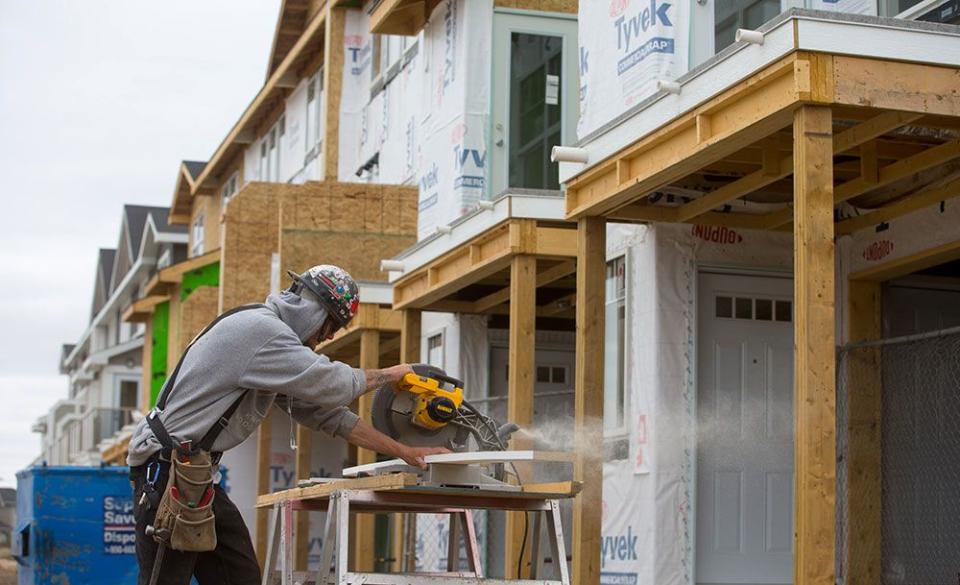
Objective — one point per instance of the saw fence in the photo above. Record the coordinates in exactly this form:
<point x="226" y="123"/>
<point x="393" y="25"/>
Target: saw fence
<point x="403" y="493"/>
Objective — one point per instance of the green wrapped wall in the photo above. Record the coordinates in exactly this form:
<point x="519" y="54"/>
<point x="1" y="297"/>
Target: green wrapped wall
<point x="158" y="357"/>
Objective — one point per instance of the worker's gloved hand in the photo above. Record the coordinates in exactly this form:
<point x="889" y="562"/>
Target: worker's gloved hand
<point x="414" y="455"/>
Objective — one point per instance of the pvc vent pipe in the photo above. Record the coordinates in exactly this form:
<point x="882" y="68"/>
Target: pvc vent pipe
<point x="569" y="154"/>
<point x="444" y="229"/>
<point x="749" y="36"/>
<point x="485" y="205"/>
<point x="391" y="266"/>
<point x="668" y="86"/>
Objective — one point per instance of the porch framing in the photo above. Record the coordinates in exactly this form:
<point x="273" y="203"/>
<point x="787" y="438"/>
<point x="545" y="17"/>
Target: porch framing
<point x="836" y="118"/>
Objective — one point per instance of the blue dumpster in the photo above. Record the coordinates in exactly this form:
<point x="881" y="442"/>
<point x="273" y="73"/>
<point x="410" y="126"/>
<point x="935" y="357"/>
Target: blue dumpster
<point x="75" y="525"/>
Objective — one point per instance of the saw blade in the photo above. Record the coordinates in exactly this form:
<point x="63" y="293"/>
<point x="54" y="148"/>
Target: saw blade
<point x="392" y="414"/>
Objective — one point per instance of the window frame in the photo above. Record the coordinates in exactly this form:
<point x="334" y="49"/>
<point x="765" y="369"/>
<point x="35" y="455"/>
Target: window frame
<point x="198" y="228"/>
<point x="442" y="335"/>
<point x="229" y="188"/>
<point x="622" y="430"/>
<point x="316" y="105"/>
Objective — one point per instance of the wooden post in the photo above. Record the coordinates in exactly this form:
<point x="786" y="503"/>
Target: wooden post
<point x="814" y="346"/>
<point x="402" y="524"/>
<point x="304" y="456"/>
<point x="264" y="447"/>
<point x="146" y="376"/>
<point x="520" y="386"/>
<point x="588" y="399"/>
<point x="365" y="534"/>
<point x="864" y="399"/>
<point x="332" y="82"/>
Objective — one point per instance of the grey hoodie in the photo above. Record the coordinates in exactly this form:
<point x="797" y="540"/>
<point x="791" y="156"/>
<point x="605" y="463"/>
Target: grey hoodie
<point x="260" y="352"/>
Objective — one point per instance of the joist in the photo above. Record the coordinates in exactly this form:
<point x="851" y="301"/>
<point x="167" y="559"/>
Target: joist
<point x="740" y="116"/>
<point x="899" y="208"/>
<point x="430" y="286"/>
<point x="922" y="260"/>
<point x="544" y="277"/>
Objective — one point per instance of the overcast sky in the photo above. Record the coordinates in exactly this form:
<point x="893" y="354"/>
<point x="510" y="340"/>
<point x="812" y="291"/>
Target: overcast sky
<point x="99" y="102"/>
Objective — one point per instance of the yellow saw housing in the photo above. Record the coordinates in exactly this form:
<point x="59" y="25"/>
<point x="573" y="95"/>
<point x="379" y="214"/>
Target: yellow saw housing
<point x="435" y="406"/>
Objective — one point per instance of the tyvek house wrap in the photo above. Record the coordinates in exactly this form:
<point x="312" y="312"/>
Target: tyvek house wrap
<point x="648" y="527"/>
<point x="625" y="47"/>
<point x="429" y="123"/>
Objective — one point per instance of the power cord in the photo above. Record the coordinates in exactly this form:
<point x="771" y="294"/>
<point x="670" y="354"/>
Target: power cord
<point x="526" y="526"/>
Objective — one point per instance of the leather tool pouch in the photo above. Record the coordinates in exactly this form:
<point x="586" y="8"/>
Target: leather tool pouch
<point x="185" y="519"/>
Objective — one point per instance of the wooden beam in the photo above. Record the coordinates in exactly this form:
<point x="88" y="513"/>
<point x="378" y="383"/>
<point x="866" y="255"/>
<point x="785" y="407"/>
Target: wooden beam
<point x="891" y="173"/>
<point x="333" y="81"/>
<point x="303" y="457"/>
<point x="740" y="116"/>
<point x="770" y="173"/>
<point x="410" y="320"/>
<point x="900" y="208"/>
<point x="365" y="534"/>
<point x="814" y="360"/>
<point x="520" y="386"/>
<point x="909" y="264"/>
<point x="264" y="449"/>
<point x="545" y="277"/>
<point x="864" y="397"/>
<point x="895" y="85"/>
<point x="872" y="128"/>
<point x="588" y="398"/>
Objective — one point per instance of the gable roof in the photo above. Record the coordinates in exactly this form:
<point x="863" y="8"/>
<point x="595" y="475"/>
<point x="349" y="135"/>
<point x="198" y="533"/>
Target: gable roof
<point x="101" y="283"/>
<point x="194" y="168"/>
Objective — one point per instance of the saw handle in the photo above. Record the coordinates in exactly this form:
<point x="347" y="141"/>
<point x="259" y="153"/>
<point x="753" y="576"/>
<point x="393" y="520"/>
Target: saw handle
<point x="428" y="371"/>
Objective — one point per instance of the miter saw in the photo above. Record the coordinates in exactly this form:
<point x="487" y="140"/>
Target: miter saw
<point x="428" y="410"/>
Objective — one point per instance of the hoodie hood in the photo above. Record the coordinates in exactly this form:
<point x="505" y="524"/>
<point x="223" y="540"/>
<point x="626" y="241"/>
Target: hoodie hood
<point x="304" y="314"/>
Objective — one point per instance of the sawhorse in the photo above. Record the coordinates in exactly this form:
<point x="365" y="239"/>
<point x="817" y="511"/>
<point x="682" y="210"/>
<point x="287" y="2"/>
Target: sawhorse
<point x="456" y="502"/>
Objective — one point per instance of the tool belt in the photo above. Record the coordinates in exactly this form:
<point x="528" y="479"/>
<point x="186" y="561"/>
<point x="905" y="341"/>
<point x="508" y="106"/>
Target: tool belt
<point x="185" y="520"/>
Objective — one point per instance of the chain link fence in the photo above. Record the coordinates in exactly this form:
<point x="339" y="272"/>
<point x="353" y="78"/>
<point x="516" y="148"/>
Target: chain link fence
<point x="919" y="391"/>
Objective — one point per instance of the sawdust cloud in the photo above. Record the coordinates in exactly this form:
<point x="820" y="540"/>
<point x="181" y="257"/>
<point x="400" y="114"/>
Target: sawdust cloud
<point x="559" y="434"/>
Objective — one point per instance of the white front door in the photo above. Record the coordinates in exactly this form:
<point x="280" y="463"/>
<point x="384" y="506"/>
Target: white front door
<point x="745" y="430"/>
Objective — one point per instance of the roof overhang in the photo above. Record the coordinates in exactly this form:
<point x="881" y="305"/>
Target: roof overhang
<point x="720" y="151"/>
<point x="467" y="269"/>
<point x="400" y="17"/>
<point x="181" y="207"/>
<point x="276" y="88"/>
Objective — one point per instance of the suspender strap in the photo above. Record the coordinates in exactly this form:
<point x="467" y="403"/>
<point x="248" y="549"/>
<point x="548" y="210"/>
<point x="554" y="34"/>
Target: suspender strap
<point x="153" y="418"/>
<point x="168" y="386"/>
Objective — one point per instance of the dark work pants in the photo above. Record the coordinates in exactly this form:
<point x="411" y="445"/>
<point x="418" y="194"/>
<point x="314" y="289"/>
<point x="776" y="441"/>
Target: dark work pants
<point x="233" y="562"/>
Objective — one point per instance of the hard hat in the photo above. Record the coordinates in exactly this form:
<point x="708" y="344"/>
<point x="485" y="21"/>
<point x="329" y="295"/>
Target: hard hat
<point x="335" y="288"/>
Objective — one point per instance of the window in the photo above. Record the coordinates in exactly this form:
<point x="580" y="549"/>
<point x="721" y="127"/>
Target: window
<point x="614" y="391"/>
<point x="129" y="393"/>
<point x="435" y="355"/>
<point x="753" y="309"/>
<point x="315" y="122"/>
<point x="270" y="152"/>
<point x="196" y="249"/>
<point x="229" y="188"/>
<point x="729" y="15"/>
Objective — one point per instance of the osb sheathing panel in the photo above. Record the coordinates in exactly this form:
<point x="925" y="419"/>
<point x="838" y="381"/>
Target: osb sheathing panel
<point x="568" y="6"/>
<point x="353" y="225"/>
<point x="196" y="312"/>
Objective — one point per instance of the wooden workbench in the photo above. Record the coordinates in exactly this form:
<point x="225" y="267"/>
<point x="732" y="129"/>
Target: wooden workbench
<point x="403" y="493"/>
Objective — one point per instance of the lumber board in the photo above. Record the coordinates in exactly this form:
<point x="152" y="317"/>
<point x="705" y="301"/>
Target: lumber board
<point x="365" y="532"/>
<point x="864" y="400"/>
<point x="894" y="85"/>
<point x="263" y="484"/>
<point x="900" y="208"/>
<point x="302" y="459"/>
<point x="410" y="325"/>
<point x="470" y="458"/>
<point x="380" y="482"/>
<point x="588" y="398"/>
<point x="520" y="388"/>
<point x="814" y="358"/>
